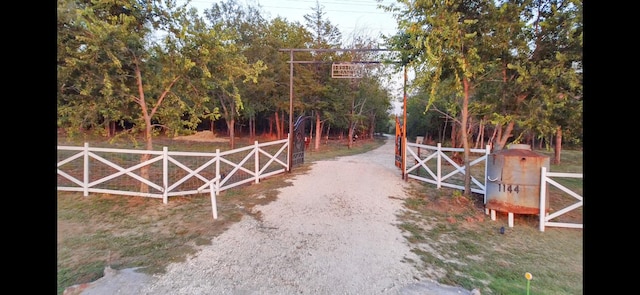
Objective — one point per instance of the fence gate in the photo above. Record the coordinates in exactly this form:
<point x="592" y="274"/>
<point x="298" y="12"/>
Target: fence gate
<point x="398" y="142"/>
<point x="298" y="141"/>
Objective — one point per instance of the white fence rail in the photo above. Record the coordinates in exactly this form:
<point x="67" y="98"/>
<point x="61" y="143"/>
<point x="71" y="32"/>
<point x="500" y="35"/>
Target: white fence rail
<point x="167" y="173"/>
<point x="423" y="157"/>
<point x="546" y="220"/>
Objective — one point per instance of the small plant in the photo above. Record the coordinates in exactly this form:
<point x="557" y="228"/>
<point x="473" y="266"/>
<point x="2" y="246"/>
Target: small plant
<point x="528" y="276"/>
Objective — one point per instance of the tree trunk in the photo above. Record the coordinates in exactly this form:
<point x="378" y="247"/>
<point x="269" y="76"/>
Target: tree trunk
<point x="252" y="129"/>
<point x="350" y="137"/>
<point x="480" y="138"/>
<point x="282" y="121"/>
<point x="229" y="116"/>
<point x="144" y="170"/>
<point x="533" y="141"/>
<point x="503" y="136"/>
<point x="540" y="144"/>
<point x="318" y="132"/>
<point x="492" y="139"/>
<point x="372" y="126"/>
<point x="148" y="135"/>
<point x="327" y="136"/>
<point x="351" y="133"/>
<point x="278" y="129"/>
<point x="443" y="131"/>
<point x="465" y="140"/>
<point x="558" y="148"/>
<point x="232" y="132"/>
<point x="454" y="135"/>
<point x="110" y="128"/>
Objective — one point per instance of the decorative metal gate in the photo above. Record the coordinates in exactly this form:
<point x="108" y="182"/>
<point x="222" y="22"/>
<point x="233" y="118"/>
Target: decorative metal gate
<point x="298" y="141"/>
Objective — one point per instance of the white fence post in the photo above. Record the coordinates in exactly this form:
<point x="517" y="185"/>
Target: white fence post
<point x="218" y="171"/>
<point x="439" y="168"/>
<point x="256" y="151"/>
<point x="486" y="171"/>
<point x="165" y="174"/>
<point x="85" y="184"/>
<point x="213" y="187"/>
<point x="543" y="196"/>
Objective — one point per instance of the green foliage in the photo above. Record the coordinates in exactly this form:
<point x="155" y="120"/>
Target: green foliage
<point x="525" y="68"/>
<point x="158" y="67"/>
<point x="421" y="123"/>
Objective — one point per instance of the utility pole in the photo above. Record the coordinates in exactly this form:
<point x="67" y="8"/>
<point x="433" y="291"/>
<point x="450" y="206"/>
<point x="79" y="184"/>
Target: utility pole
<point x="290" y="154"/>
<point x="404" y="124"/>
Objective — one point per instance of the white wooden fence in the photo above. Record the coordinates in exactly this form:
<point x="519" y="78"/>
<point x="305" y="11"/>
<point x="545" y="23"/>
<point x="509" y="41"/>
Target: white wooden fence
<point x="118" y="171"/>
<point x="453" y="172"/>
<point x="170" y="173"/>
<point x="546" y="219"/>
<point x="420" y="160"/>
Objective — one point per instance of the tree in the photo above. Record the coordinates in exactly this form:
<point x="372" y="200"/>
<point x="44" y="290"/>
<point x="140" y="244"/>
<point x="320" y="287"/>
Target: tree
<point x="359" y="96"/>
<point x="324" y="35"/>
<point x="444" y="38"/>
<point x="232" y="68"/>
<point x="93" y="39"/>
<point x="538" y="73"/>
<point x="554" y="67"/>
<point x="377" y="109"/>
<point x="280" y="35"/>
<point x="114" y="61"/>
<point x="513" y="63"/>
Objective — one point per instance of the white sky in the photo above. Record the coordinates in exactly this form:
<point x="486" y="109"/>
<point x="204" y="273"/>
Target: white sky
<point x="360" y="16"/>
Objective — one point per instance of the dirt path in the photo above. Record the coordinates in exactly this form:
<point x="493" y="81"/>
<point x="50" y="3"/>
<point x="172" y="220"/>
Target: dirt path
<point x="333" y="232"/>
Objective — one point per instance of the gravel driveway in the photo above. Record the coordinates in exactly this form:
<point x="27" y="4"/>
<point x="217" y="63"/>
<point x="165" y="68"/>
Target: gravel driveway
<point x="333" y="232"/>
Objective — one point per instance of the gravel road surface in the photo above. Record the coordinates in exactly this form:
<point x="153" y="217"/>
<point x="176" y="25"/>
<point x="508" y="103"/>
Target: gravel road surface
<point x="333" y="232"/>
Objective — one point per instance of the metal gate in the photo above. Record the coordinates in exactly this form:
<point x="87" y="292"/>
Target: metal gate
<point x="399" y="148"/>
<point x="298" y="141"/>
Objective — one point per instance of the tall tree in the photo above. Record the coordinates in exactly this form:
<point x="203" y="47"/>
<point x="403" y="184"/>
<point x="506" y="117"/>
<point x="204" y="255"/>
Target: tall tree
<point x="518" y="60"/>
<point x="537" y="75"/>
<point x="233" y="69"/>
<point x="325" y="36"/>
<point x="282" y="34"/>
<point x="116" y="59"/>
<point x="445" y="37"/>
<point x="378" y="106"/>
<point x="551" y="70"/>
<point x="359" y="96"/>
<point x="94" y="82"/>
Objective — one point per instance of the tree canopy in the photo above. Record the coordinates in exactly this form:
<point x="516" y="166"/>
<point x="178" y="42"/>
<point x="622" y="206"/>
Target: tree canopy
<point x="151" y="67"/>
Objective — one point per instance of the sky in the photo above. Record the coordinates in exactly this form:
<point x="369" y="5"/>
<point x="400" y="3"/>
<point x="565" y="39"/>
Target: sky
<point x="350" y="16"/>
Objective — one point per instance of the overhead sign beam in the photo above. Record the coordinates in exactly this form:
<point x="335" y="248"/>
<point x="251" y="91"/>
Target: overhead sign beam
<point x="330" y="61"/>
<point x="291" y="62"/>
<point x="332" y="49"/>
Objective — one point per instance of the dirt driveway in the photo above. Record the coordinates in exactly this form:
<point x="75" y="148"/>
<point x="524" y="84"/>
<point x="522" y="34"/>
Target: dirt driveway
<point x="333" y="232"/>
